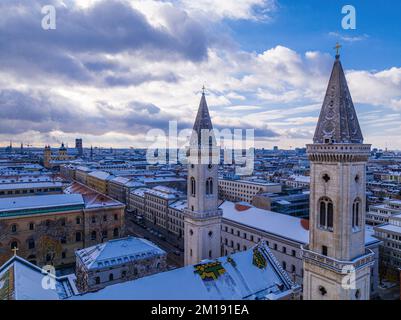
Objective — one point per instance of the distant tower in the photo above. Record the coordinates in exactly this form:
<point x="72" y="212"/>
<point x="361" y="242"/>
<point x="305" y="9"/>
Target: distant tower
<point x="91" y="154"/>
<point x="47" y="156"/>
<point x="22" y="148"/>
<point x="62" y="152"/>
<point x="78" y="147"/>
<point x="337" y="201"/>
<point x="202" y="217"/>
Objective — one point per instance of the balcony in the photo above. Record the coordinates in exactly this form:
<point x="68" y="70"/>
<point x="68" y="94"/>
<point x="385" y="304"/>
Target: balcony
<point x="335" y="265"/>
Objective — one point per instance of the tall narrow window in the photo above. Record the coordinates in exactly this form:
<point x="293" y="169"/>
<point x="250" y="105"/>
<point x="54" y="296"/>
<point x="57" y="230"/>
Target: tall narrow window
<point x="356" y="213"/>
<point x="193" y="187"/>
<point x="322" y="213"/>
<point x="209" y="186"/>
<point x="326" y="214"/>
<point x="330" y="215"/>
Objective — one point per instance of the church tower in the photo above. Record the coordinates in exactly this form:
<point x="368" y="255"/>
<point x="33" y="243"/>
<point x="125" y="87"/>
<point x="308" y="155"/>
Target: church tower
<point x="202" y="217"/>
<point x="47" y="157"/>
<point x="337" y="265"/>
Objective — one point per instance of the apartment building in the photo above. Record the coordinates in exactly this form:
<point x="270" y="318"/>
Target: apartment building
<point x="245" y="190"/>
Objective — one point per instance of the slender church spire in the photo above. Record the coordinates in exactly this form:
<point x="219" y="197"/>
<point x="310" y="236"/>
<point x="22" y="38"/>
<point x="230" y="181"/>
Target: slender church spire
<point x="202" y="121"/>
<point x="338" y="122"/>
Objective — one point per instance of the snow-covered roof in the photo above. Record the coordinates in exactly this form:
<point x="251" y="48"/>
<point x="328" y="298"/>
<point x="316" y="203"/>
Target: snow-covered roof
<point x="120" y="180"/>
<point x="165" y="192"/>
<point x="232" y="277"/>
<point x="140" y="192"/>
<point x="92" y="198"/>
<point x="26" y="185"/>
<point x="300" y="178"/>
<point x="39" y="201"/>
<point x="275" y="223"/>
<point x="102" y="175"/>
<point x="163" y="179"/>
<point x="272" y="222"/>
<point x="21" y="280"/>
<point x="179" y="205"/>
<point x="117" y="251"/>
<point x="389" y="227"/>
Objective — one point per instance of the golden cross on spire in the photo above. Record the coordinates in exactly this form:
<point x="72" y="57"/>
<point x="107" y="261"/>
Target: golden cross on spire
<point x="15" y="249"/>
<point x="337" y="47"/>
<point x="203" y="89"/>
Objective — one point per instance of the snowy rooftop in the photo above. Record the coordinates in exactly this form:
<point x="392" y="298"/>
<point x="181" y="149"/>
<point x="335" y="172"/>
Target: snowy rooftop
<point x="389" y="227"/>
<point x="239" y="278"/>
<point x="118" y="251"/>
<point x="26" y="185"/>
<point x="102" y="175"/>
<point x="162" y="179"/>
<point x="179" y="205"/>
<point x="39" y="201"/>
<point x="21" y="280"/>
<point x="300" y="178"/>
<point x="92" y="198"/>
<point x="275" y="223"/>
<point x="140" y="192"/>
<point x="120" y="180"/>
<point x="165" y="192"/>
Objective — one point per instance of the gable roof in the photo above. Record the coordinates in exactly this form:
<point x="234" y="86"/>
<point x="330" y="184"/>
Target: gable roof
<point x="230" y="277"/>
<point x="21" y="280"/>
<point x="117" y="251"/>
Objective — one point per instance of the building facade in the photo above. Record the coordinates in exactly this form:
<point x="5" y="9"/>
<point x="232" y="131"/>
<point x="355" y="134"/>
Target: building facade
<point x="244" y="190"/>
<point x="48" y="229"/>
<point x="390" y="249"/>
<point x="381" y="213"/>
<point x="117" y="261"/>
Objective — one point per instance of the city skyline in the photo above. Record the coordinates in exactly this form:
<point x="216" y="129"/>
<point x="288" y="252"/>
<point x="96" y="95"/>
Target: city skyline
<point x="110" y="82"/>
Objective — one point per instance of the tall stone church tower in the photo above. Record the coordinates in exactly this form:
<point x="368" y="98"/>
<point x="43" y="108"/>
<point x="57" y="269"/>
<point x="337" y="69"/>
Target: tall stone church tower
<point x="338" y="159"/>
<point x="202" y="217"/>
<point x="47" y="157"/>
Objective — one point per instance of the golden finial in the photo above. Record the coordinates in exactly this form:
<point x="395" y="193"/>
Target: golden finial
<point x="203" y="89"/>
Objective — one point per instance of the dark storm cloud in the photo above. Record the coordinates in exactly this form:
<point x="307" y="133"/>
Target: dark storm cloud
<point x="25" y="111"/>
<point x="42" y="112"/>
<point x="108" y="27"/>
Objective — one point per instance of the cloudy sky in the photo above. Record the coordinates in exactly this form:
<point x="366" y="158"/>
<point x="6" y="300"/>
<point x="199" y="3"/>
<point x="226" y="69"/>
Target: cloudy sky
<point x="113" y="70"/>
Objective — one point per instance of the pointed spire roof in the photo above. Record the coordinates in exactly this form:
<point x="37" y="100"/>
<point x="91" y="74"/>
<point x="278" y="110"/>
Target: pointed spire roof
<point x="338" y="122"/>
<point x="202" y="120"/>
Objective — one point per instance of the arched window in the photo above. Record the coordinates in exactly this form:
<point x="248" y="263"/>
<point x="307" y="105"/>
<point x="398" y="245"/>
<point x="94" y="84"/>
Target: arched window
<point x="78" y="236"/>
<point x="14" y="245"/>
<point x="111" y="277"/>
<point x="14" y="228"/>
<point x="356" y="208"/>
<point x="97" y="280"/>
<point x="93" y="235"/>
<point x="326" y="214"/>
<point x="193" y="187"/>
